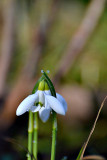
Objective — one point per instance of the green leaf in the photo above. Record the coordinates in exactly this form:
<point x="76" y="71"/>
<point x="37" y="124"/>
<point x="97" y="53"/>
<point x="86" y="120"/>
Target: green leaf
<point x="50" y="84"/>
<point x="80" y="153"/>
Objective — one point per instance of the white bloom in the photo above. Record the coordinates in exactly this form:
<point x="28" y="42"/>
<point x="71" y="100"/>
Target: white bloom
<point x="43" y="102"/>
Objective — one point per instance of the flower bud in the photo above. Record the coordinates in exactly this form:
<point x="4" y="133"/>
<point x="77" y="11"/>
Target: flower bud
<point x="41" y="86"/>
<point x="46" y="86"/>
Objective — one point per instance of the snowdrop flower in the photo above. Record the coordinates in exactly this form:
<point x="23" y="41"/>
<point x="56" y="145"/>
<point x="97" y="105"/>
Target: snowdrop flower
<point x="43" y="102"/>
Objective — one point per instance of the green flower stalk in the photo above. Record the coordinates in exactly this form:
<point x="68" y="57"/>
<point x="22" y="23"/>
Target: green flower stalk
<point x="54" y="118"/>
<point x="30" y="135"/>
<point x="54" y="133"/>
<point x="35" y="135"/>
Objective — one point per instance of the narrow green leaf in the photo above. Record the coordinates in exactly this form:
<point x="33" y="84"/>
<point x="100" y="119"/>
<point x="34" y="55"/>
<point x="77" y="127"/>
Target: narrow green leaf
<point x="50" y="84"/>
<point x="80" y="153"/>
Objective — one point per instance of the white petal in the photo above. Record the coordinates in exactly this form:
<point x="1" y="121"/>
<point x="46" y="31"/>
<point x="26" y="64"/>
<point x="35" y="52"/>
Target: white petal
<point x="26" y="104"/>
<point x="35" y="108"/>
<point x="44" y="114"/>
<point x="62" y="100"/>
<point x="47" y="106"/>
<point x="55" y="104"/>
<point x="48" y="92"/>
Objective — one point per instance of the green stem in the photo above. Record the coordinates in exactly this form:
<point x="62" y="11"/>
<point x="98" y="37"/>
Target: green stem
<point x="54" y="131"/>
<point x="35" y="135"/>
<point x="30" y="133"/>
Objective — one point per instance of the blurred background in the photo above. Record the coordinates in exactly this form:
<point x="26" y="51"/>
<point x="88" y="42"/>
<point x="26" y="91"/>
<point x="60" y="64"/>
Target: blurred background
<point x="68" y="38"/>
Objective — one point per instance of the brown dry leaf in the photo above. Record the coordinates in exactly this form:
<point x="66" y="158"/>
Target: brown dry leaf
<point x="94" y="157"/>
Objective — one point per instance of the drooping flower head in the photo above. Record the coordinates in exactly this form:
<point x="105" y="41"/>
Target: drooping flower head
<point x="43" y="102"/>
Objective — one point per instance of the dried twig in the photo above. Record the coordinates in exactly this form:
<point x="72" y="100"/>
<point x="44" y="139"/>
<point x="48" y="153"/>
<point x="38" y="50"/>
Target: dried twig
<point x="80" y="38"/>
<point x="94" y="157"/>
<point x="93" y="128"/>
